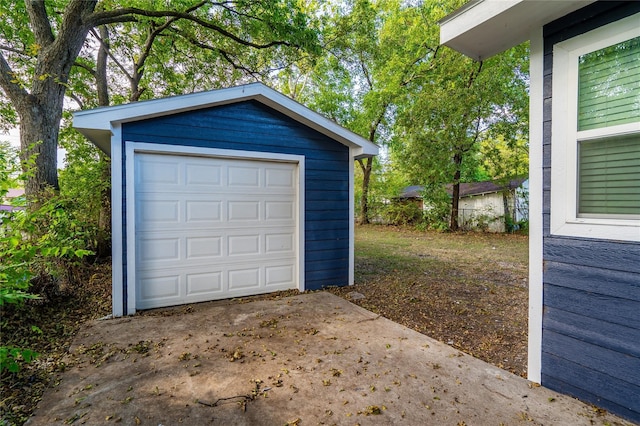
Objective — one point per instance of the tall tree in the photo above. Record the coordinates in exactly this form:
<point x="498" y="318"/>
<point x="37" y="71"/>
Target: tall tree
<point x="372" y="51"/>
<point x="456" y="103"/>
<point x="42" y="41"/>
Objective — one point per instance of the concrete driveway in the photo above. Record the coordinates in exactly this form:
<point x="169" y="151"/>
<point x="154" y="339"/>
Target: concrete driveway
<point x="302" y="360"/>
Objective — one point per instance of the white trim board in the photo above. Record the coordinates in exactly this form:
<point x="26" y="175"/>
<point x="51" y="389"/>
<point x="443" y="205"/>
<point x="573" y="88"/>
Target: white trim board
<point x="565" y="136"/>
<point x="132" y="148"/>
<point x="536" y="71"/>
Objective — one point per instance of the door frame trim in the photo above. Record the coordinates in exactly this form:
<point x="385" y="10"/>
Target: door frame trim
<point x="132" y="148"/>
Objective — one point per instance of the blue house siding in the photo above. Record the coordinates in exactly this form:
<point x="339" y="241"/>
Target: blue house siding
<point x="252" y="126"/>
<point x="591" y="303"/>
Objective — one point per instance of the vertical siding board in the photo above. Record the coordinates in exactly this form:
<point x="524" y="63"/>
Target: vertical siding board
<point x="251" y="126"/>
<point x="591" y="287"/>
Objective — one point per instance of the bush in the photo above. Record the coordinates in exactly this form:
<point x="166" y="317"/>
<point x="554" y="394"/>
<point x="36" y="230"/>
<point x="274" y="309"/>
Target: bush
<point x="40" y="243"/>
<point x="402" y="213"/>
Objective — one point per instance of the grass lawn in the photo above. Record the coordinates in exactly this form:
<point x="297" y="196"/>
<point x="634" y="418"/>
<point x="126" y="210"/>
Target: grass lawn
<point x="468" y="290"/>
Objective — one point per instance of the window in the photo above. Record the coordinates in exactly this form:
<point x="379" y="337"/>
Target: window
<point x="595" y="147"/>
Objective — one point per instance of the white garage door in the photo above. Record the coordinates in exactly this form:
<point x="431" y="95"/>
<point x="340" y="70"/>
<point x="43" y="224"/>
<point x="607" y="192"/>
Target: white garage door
<point x="213" y="228"/>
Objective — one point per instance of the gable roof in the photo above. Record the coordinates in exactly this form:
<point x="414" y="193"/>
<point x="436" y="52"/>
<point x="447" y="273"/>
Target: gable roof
<point x="97" y="124"/>
<point x="483" y="28"/>
<point x="466" y="189"/>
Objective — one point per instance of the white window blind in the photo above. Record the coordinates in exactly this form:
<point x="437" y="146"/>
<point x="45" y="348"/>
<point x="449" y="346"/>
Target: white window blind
<point x="609" y="86"/>
<point x="609" y="167"/>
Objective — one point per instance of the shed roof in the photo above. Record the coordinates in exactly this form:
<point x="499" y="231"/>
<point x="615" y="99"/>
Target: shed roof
<point x="97" y="124"/>
<point x="483" y="28"/>
<point x="466" y="189"/>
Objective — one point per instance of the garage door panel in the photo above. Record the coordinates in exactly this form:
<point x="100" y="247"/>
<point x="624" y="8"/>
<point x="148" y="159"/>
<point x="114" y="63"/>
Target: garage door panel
<point x="203" y="211"/>
<point x="244" y="278"/>
<point x="215" y="228"/>
<point x="280" y="275"/>
<point x="156" y="171"/>
<point x="240" y="245"/>
<point x="160" y="211"/>
<point x="204" y="283"/>
<point x="202" y="174"/>
<point x="199" y="248"/>
<point x="158" y="287"/>
<point x="279" y="242"/>
<point x="279" y="177"/>
<point x="159" y="249"/>
<point x="278" y="210"/>
<point x="243" y="210"/>
<point x="247" y="176"/>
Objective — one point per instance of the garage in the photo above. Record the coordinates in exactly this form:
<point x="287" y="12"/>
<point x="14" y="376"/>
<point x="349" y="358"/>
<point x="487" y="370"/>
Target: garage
<point x="213" y="228"/>
<point x="227" y="193"/>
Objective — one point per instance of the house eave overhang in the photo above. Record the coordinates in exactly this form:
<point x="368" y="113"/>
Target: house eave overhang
<point x="97" y="124"/>
<point x="483" y="28"/>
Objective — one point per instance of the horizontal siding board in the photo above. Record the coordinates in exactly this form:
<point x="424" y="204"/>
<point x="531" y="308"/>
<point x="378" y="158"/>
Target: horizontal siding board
<point x="327" y="195"/>
<point x="327" y="215"/>
<point x="619" y="256"/>
<point x="597" y="306"/>
<point x="586" y="19"/>
<point x="330" y="264"/>
<point x="322" y="255"/>
<point x="586" y="396"/>
<point x="326" y="277"/>
<point x="319" y="246"/>
<point x="593" y="357"/>
<point x="327" y="234"/>
<point x="320" y="225"/>
<point x="620" y="338"/>
<point x="320" y="185"/>
<point x="312" y="206"/>
<point x="596" y="387"/>
<point x="625" y="285"/>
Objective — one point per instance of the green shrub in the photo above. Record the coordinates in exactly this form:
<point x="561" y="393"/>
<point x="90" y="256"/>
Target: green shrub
<point x="402" y="213"/>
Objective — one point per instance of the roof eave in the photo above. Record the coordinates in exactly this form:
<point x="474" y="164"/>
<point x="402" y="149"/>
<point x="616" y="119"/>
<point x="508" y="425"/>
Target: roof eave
<point x="483" y="28"/>
<point x="97" y="124"/>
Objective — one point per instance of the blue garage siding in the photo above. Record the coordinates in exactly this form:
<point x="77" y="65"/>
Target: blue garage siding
<point x="591" y="315"/>
<point x="252" y="126"/>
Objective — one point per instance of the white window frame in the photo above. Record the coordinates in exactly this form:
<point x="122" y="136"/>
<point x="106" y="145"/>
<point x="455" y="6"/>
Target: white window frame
<point x="565" y="136"/>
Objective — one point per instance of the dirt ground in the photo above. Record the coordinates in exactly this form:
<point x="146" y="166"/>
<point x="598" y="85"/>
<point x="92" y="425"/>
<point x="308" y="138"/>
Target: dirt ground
<point x="466" y="290"/>
<point x="310" y="359"/>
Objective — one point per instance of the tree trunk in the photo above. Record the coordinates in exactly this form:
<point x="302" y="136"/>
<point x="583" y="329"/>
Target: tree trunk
<point x="40" y="110"/>
<point x="455" y="196"/>
<point x="366" y="166"/>
<point x="39" y="128"/>
<point x="103" y="246"/>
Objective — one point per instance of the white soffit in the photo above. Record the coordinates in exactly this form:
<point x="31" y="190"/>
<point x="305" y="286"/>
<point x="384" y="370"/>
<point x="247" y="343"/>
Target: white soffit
<point x="96" y="124"/>
<point x="483" y="28"/>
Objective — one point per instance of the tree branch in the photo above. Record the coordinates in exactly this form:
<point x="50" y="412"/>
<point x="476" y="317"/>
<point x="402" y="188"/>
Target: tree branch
<point x="113" y="58"/>
<point x="9" y="84"/>
<point x="40" y="24"/>
<point x="128" y="14"/>
<point x="226" y="55"/>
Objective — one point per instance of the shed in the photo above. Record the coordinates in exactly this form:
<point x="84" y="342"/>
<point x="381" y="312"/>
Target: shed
<point x="483" y="203"/>
<point x="584" y="217"/>
<point x="225" y="193"/>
